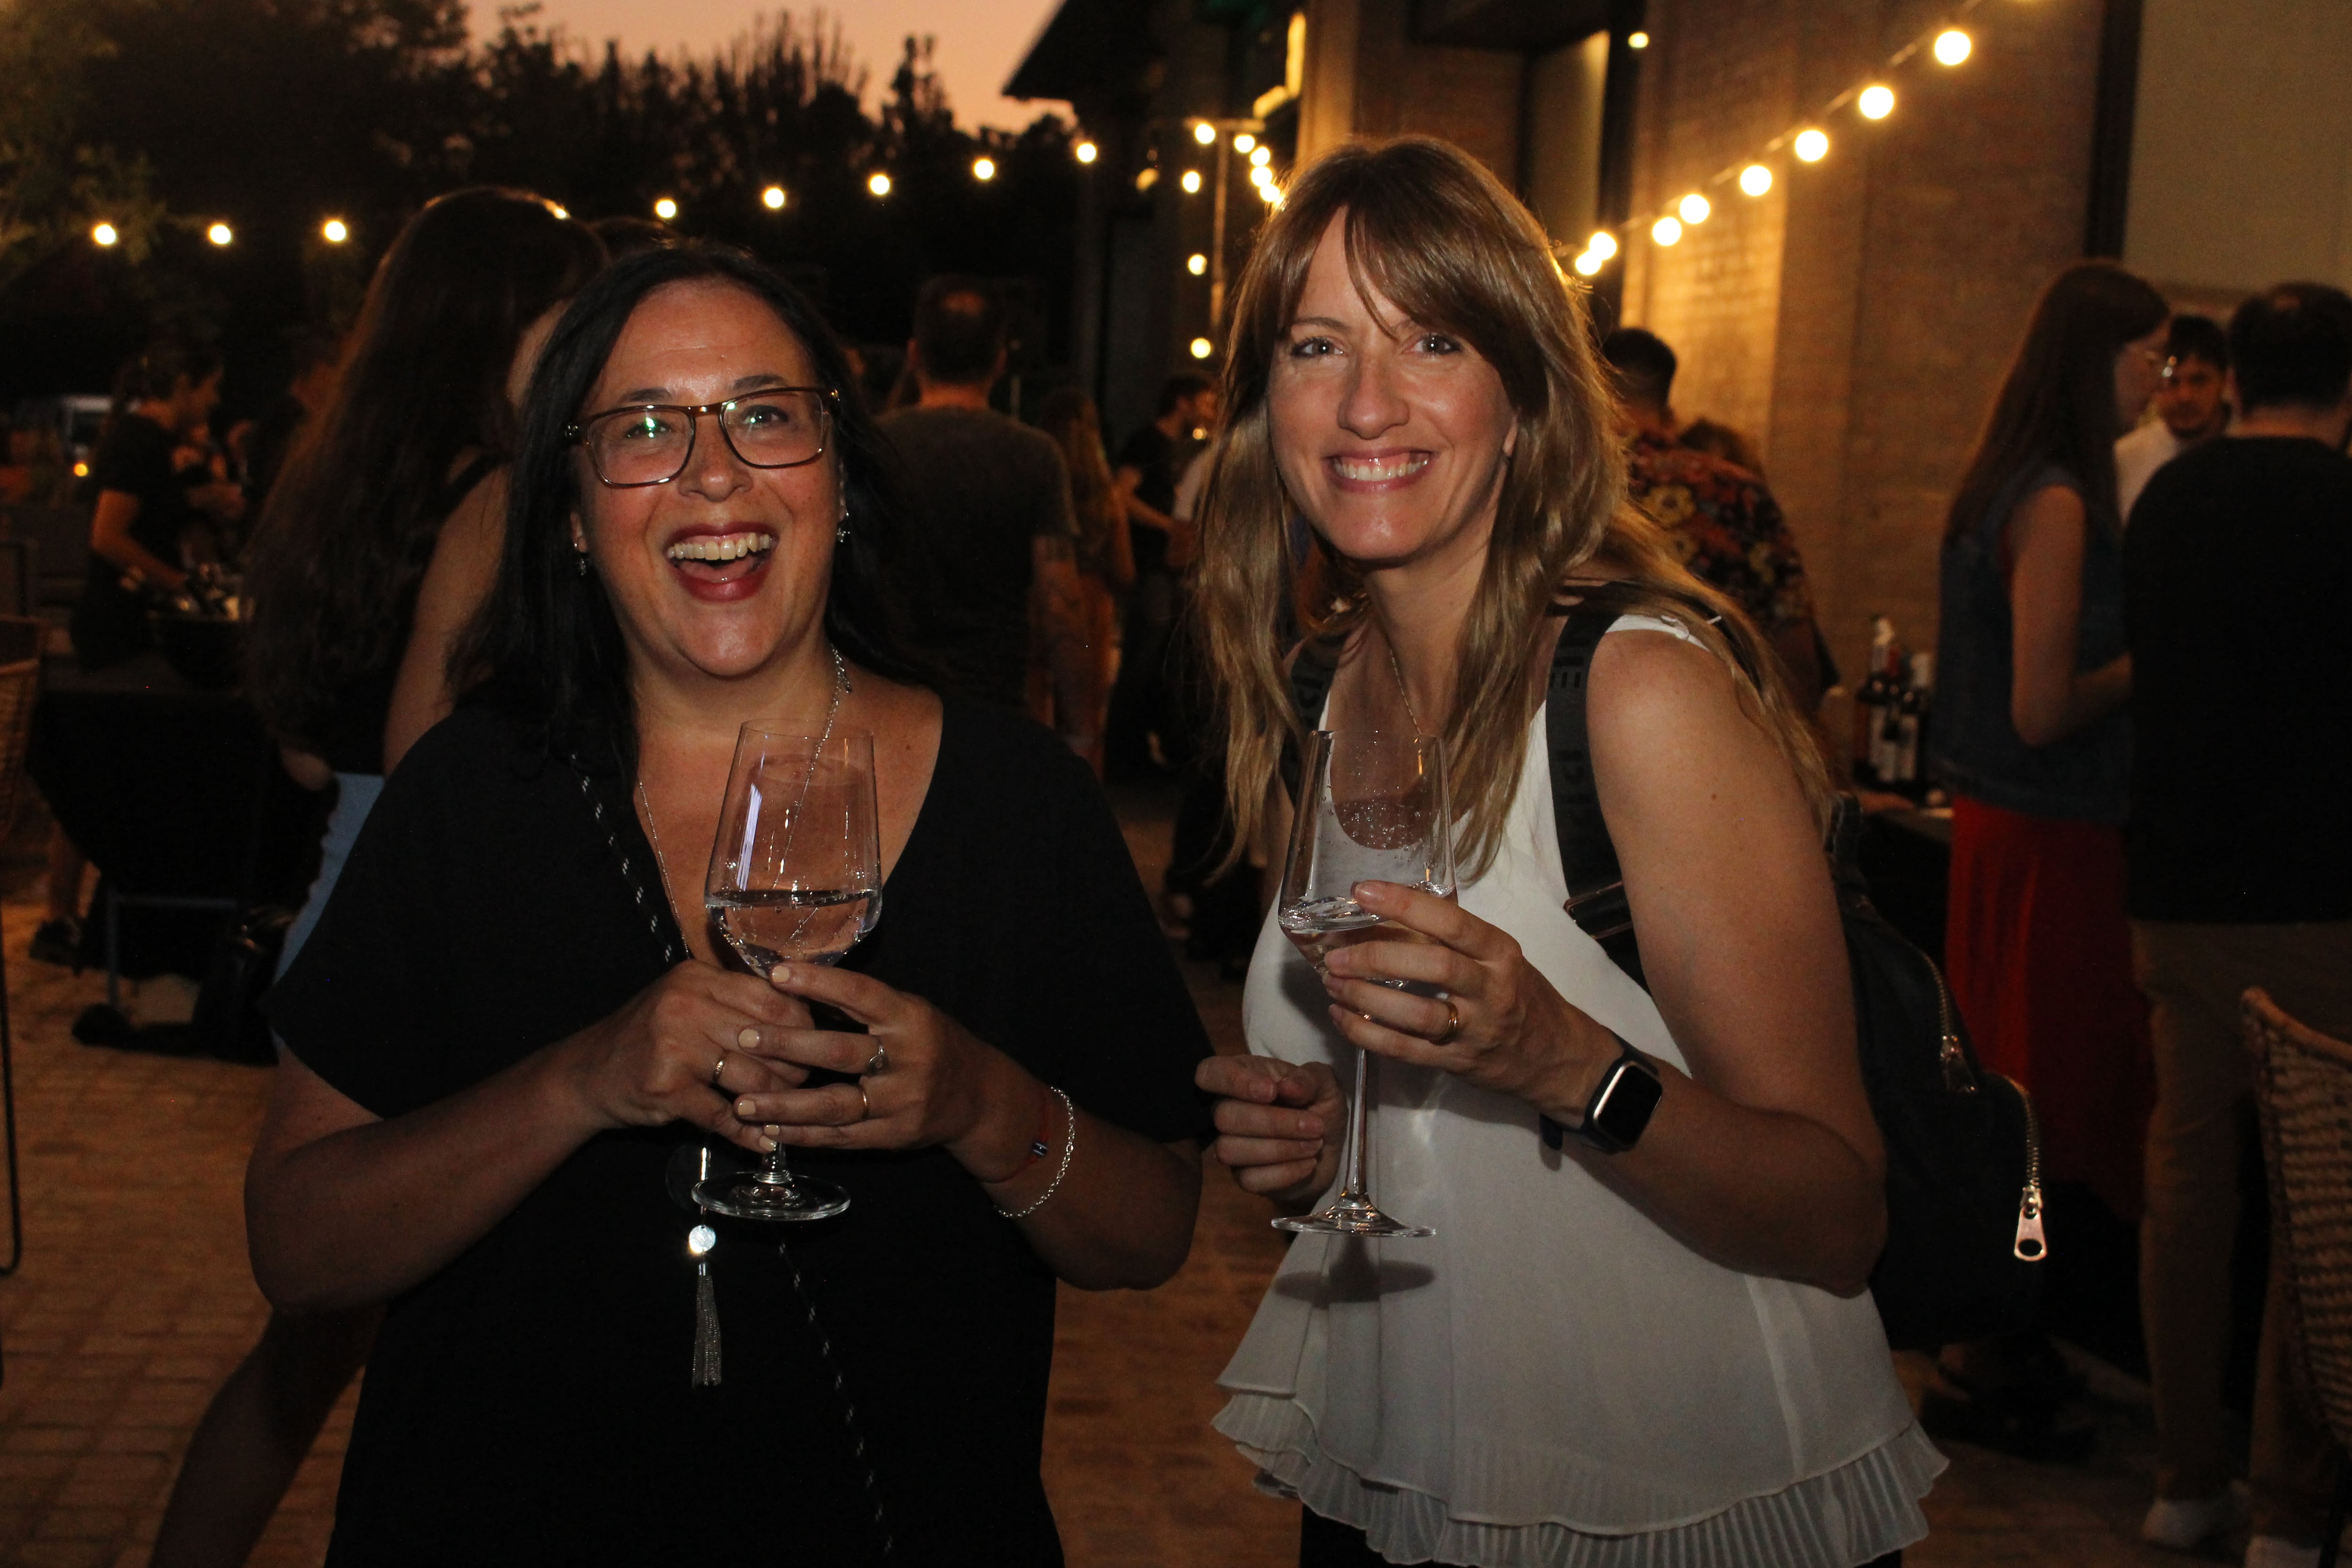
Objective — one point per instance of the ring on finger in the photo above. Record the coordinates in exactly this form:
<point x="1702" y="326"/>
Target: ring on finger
<point x="879" y="1061"/>
<point x="864" y="1106"/>
<point x="1453" y="1023"/>
<point x="719" y="1069"/>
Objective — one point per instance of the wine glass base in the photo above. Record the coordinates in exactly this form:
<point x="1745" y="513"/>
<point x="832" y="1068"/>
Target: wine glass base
<point x="1352" y="1216"/>
<point x="745" y="1196"/>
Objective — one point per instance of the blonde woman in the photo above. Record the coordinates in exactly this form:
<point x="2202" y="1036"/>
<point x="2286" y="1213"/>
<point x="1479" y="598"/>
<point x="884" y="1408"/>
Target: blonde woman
<point x="1661" y="1356"/>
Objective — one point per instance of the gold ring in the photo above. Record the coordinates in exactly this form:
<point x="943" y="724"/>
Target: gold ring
<point x="864" y="1106"/>
<point x="1453" y="1023"/>
<point x="719" y="1069"/>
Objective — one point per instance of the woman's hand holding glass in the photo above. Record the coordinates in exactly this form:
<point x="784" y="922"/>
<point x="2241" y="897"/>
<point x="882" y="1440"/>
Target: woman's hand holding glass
<point x="1500" y="1024"/>
<point x="679" y="1052"/>
<point x="1280" y="1126"/>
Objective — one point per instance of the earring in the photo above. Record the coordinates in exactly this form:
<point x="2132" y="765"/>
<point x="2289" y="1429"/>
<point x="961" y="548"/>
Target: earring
<point x="841" y="528"/>
<point x="580" y="559"/>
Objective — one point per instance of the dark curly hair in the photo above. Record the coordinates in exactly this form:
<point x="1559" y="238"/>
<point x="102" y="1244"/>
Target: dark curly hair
<point x="546" y="648"/>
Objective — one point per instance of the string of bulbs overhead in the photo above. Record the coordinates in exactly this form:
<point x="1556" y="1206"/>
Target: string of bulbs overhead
<point x="1805" y="140"/>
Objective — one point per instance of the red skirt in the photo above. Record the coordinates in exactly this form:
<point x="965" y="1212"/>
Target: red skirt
<point x="2037" y="952"/>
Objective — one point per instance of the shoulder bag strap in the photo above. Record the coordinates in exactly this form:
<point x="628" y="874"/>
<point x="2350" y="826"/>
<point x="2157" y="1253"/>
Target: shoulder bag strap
<point x="1588" y="857"/>
<point x="1313" y="667"/>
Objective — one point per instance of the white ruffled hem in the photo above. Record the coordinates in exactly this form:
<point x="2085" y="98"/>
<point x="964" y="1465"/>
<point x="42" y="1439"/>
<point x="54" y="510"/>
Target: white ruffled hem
<point x="1850" y="1515"/>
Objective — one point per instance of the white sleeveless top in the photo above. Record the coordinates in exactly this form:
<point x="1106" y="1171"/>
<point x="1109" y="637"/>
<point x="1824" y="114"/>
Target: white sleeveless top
<point x="1551" y="1381"/>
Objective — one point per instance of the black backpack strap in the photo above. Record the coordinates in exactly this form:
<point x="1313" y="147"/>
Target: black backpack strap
<point x="1588" y="859"/>
<point x="1313" y="667"/>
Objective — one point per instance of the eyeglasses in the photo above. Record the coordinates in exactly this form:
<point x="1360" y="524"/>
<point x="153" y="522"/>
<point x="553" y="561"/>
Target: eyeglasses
<point x="651" y="443"/>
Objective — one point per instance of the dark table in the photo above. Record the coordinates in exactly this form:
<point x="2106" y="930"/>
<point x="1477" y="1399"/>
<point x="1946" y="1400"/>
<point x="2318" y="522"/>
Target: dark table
<point x="174" y="793"/>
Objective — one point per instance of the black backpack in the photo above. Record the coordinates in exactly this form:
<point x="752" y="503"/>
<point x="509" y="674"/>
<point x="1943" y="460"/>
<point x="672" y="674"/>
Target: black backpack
<point x="1963" y="1153"/>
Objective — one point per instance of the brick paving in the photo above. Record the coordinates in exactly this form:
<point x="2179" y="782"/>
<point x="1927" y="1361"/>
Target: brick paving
<point x="134" y="1299"/>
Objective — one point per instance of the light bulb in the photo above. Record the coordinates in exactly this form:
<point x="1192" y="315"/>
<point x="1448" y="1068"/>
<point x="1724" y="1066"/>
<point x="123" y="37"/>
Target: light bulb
<point x="104" y="233"/>
<point x="1876" y="102"/>
<point x="220" y="234"/>
<point x="1755" y="179"/>
<point x="984" y="168"/>
<point x="1196" y="264"/>
<point x="1244" y="141"/>
<point x="1260" y="176"/>
<point x="1666" y="231"/>
<point x="878" y="183"/>
<point x="1952" y="47"/>
<point x="1811" y="146"/>
<point x="1587" y="263"/>
<point x="772" y="198"/>
<point x="1694" y="208"/>
<point x="1602" y="244"/>
<point x="1087" y="151"/>
<point x="1203" y="348"/>
<point x="334" y="231"/>
<point x="1637" y="40"/>
<point x="1191" y="182"/>
<point x="665" y="209"/>
<point x="1270" y="193"/>
<point x="1205" y="134"/>
<point x="1262" y="157"/>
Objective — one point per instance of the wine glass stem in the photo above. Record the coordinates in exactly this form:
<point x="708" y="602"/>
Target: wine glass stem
<point x="1360" y="1130"/>
<point x="777" y="1175"/>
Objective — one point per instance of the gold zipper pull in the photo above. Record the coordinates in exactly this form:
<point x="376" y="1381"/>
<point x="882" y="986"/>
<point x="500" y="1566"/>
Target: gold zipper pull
<point x="2031" y="1245"/>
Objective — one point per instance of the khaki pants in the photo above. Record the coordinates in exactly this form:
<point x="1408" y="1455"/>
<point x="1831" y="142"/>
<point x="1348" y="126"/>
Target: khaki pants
<point x="2193" y="976"/>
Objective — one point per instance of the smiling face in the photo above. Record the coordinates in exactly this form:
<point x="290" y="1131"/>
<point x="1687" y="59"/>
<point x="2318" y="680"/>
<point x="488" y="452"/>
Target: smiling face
<point x="1391" y="435"/>
<point x="722" y="571"/>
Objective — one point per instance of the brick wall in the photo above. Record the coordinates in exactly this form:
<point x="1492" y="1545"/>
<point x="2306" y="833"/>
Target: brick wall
<point x="1858" y="318"/>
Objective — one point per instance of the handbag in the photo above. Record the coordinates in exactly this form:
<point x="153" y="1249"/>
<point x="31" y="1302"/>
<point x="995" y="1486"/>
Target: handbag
<point x="228" y="1022"/>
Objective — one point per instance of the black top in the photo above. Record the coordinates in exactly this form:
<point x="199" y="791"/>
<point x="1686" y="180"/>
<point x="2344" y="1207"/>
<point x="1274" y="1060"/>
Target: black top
<point x="531" y="1403"/>
<point x="109" y="622"/>
<point x="1152" y="452"/>
<point x="2235" y="569"/>
<point x="980" y="486"/>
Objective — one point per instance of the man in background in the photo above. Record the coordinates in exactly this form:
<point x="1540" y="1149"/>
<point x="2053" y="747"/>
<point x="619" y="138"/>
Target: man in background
<point x="2190" y="408"/>
<point x="1141" y="704"/>
<point x="1725" y="524"/>
<point x="2240" y="873"/>
<point x="989" y="516"/>
<point x="317" y="358"/>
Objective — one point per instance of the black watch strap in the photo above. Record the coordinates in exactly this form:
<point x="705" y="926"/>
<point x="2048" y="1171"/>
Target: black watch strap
<point x="1620" y="1110"/>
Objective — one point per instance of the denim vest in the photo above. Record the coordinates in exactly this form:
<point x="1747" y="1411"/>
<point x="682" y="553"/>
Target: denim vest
<point x="1974" y="748"/>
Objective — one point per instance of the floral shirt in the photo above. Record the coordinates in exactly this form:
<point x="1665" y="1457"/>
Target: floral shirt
<point x="1725" y="526"/>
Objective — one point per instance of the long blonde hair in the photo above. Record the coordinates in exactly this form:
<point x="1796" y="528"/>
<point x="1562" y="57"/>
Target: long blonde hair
<point x="1431" y="229"/>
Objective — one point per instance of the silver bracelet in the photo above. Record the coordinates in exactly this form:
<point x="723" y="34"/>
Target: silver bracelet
<point x="1069" y="1144"/>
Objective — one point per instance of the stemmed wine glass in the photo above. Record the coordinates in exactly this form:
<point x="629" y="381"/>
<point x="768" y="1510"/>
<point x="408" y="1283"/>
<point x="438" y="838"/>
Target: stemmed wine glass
<point x="1373" y="807"/>
<point x="796" y="878"/>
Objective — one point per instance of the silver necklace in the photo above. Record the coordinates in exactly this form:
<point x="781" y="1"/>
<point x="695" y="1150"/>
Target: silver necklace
<point x="832" y="712"/>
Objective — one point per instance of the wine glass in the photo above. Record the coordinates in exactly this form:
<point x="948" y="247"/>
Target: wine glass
<point x="1373" y="807"/>
<point x="796" y="878"/>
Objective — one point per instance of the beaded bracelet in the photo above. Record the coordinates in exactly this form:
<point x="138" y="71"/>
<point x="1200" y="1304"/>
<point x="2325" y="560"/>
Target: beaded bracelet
<point x="1069" y="1144"/>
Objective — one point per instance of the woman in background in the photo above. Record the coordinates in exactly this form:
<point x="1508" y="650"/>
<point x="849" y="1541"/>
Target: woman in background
<point x="1106" y="553"/>
<point x="414" y="443"/>
<point x="2032" y="739"/>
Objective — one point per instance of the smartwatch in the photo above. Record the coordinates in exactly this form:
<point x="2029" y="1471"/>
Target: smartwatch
<point x="1618" y="1109"/>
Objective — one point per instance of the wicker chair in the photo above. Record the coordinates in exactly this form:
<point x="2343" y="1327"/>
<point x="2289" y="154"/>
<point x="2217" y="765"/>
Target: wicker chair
<point x="2302" y="1087"/>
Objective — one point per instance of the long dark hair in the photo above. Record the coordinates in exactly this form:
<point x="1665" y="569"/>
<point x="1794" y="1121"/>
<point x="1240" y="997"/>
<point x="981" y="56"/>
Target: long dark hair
<point x="2057" y="404"/>
<point x="348" y="528"/>
<point x="546" y="648"/>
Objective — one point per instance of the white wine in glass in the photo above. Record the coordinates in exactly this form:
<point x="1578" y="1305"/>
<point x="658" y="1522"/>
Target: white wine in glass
<point x="1373" y="807"/>
<point x="796" y="878"/>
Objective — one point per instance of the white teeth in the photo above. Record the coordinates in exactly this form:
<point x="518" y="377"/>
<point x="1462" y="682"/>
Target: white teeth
<point x="721" y="546"/>
<point x="1379" y="467"/>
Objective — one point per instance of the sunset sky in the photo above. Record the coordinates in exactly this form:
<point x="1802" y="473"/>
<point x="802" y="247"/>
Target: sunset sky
<point x="979" y="41"/>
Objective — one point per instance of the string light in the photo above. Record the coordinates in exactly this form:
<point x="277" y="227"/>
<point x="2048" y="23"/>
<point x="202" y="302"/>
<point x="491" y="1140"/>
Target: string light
<point x="1603" y="244"/>
<point x="104" y="233"/>
<point x="1205" y="134"/>
<point x="1203" y="348"/>
<point x="1196" y="264"/>
<point x="772" y="198"/>
<point x="1262" y="157"/>
<point x="1244" y="142"/>
<point x="1637" y="40"/>
<point x="1191" y="182"/>
<point x="665" y="209"/>
<point x="1261" y="175"/>
<point x="1146" y="178"/>
<point x="1587" y="263"/>
<point x="334" y="231"/>
<point x="1694" y="208"/>
<point x="1755" y="180"/>
<point x="1811" y="146"/>
<point x="1087" y="151"/>
<point x="1666" y="230"/>
<point x="984" y="168"/>
<point x="1952" y="47"/>
<point x="1270" y="193"/>
<point x="560" y="212"/>
<point x="220" y="234"/>
<point x="1876" y="102"/>
<point x="878" y="183"/>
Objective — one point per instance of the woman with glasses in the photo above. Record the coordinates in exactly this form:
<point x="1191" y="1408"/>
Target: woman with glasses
<point x="2032" y="739"/>
<point x="514" y="1043"/>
